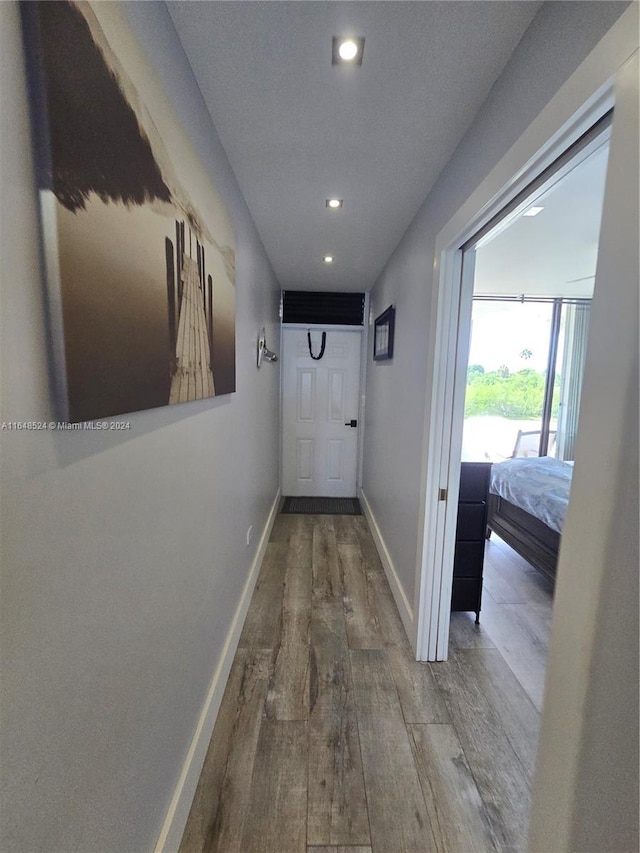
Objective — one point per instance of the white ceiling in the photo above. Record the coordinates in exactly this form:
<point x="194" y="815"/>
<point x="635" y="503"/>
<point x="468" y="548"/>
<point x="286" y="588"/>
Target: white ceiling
<point x="555" y="252"/>
<point x="298" y="130"/>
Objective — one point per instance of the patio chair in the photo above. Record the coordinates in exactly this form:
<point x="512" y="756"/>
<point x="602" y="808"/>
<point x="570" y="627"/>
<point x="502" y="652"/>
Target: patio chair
<point x="528" y="443"/>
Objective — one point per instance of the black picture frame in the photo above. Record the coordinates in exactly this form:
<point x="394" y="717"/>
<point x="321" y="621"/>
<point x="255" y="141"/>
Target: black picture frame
<point x="383" y="334"/>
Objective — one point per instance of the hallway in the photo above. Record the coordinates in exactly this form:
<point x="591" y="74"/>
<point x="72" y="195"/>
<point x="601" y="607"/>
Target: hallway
<point x="332" y="739"/>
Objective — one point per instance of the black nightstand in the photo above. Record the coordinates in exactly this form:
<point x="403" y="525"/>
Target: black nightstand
<point x="470" y="537"/>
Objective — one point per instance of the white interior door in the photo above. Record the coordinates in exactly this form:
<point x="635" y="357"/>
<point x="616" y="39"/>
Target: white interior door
<point x="320" y="402"/>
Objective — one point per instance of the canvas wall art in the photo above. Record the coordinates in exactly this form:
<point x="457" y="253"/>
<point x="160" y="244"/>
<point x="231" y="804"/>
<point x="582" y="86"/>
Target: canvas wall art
<point x="140" y="250"/>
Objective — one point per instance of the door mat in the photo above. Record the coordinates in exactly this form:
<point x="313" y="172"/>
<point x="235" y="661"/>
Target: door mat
<point x="321" y="506"/>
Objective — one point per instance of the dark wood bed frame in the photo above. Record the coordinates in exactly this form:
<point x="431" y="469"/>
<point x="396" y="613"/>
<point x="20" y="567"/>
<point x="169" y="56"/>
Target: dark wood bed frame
<point x="527" y="535"/>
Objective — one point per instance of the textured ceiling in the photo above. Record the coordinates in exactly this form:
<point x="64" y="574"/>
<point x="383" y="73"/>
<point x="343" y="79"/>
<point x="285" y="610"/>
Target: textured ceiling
<point x="298" y="130"/>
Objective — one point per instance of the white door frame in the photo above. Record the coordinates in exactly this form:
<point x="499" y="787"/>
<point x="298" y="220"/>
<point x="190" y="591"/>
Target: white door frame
<point x="580" y="102"/>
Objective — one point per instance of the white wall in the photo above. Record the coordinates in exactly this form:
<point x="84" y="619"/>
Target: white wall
<point x="586" y="796"/>
<point x="559" y="38"/>
<point x="124" y="554"/>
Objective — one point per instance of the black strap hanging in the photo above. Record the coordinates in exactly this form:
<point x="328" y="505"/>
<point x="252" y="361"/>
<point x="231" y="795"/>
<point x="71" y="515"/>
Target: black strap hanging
<point x="324" y="341"/>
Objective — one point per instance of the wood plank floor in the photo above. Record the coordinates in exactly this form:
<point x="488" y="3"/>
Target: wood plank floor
<point x="332" y="739"/>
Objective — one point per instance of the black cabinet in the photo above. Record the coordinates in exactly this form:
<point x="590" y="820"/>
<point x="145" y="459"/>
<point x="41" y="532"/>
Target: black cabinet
<point x="470" y="536"/>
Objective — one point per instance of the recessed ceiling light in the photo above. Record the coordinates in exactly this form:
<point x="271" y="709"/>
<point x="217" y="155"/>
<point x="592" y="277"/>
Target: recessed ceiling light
<point x="334" y="203"/>
<point x="347" y="50"/>
<point x="328" y="259"/>
<point x="533" y="211"/>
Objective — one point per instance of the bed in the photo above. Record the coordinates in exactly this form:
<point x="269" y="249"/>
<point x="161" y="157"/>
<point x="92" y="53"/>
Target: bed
<point x="528" y="501"/>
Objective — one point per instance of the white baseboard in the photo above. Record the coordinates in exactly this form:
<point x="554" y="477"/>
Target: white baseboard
<point x="178" y="812"/>
<point x="402" y="602"/>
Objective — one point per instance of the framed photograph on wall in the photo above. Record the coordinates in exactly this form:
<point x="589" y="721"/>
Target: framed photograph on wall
<point x="139" y="247"/>
<point x="383" y="335"/>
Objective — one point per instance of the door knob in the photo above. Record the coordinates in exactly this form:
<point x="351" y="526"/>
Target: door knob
<point x="351" y="423"/>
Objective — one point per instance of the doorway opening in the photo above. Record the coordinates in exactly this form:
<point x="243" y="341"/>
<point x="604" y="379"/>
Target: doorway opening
<point x="533" y="281"/>
<point x="537" y="254"/>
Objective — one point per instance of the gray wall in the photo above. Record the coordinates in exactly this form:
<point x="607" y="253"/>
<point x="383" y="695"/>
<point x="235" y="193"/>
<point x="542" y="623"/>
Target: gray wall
<point x="123" y="555"/>
<point x="559" y="38"/>
<point x="586" y="792"/>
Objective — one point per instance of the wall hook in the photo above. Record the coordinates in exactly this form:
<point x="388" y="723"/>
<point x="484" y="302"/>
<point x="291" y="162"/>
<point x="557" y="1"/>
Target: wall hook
<point x="264" y="353"/>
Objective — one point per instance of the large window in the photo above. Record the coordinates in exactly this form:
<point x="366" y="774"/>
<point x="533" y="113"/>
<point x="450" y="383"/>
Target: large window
<point x="524" y="377"/>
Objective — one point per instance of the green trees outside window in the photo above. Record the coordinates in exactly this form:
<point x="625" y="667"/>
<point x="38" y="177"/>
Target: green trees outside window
<point x="516" y="396"/>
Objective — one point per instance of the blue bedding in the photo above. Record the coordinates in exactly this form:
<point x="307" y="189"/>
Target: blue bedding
<point x="540" y="486"/>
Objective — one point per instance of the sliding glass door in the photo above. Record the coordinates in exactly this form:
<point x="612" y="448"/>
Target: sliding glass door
<point x="524" y="377"/>
<point x="569" y="370"/>
<point x="506" y="378"/>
